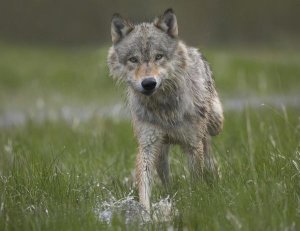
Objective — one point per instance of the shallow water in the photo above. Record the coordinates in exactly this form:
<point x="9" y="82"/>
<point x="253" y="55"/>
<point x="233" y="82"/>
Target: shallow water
<point x="78" y="114"/>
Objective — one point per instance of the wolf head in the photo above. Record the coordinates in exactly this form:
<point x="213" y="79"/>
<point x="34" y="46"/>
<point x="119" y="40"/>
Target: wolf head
<point x="143" y="55"/>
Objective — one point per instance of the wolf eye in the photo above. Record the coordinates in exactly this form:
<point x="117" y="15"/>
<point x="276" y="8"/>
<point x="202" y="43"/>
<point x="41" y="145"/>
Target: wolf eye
<point x="133" y="59"/>
<point x="158" y="57"/>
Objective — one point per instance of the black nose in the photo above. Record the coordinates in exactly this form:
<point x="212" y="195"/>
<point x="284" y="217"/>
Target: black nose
<point x="149" y="83"/>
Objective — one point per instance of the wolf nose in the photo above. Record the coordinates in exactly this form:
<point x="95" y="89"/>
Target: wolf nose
<point x="149" y="83"/>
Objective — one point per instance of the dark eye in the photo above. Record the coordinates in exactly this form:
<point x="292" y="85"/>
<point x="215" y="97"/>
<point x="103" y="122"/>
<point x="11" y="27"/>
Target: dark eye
<point x="158" y="57"/>
<point x="133" y="59"/>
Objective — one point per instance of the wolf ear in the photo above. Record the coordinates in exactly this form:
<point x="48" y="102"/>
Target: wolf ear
<point x="119" y="28"/>
<point x="168" y="23"/>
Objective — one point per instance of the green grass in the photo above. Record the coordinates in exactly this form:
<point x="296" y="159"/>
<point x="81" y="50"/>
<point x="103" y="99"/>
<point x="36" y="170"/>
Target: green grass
<point x="54" y="175"/>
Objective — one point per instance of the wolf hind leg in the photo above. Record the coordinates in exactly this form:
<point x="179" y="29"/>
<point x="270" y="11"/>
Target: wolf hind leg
<point x="162" y="164"/>
<point x="211" y="167"/>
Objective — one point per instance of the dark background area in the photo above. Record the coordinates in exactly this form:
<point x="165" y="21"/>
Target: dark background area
<point x="78" y="22"/>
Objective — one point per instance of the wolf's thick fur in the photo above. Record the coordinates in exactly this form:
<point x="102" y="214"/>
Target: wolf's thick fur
<point x="182" y="106"/>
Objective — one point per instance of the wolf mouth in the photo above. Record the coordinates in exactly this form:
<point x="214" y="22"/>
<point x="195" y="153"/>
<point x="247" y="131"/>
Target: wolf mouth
<point x="148" y="92"/>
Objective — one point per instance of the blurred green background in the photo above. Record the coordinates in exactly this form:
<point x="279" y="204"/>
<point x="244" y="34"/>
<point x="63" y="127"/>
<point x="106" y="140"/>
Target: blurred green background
<point x="54" y="51"/>
<point x="200" y="22"/>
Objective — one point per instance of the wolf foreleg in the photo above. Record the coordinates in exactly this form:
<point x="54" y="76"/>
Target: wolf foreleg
<point x="150" y="146"/>
<point x="143" y="171"/>
<point x="195" y="155"/>
<point x="162" y="164"/>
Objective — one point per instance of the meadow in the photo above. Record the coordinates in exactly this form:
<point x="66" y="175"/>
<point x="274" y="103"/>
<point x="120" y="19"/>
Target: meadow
<point x="56" y="173"/>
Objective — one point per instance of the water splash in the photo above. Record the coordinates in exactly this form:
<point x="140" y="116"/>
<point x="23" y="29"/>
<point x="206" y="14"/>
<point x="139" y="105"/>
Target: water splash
<point x="133" y="212"/>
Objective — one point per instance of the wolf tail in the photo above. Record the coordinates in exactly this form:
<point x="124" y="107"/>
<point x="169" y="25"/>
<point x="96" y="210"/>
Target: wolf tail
<point x="216" y="118"/>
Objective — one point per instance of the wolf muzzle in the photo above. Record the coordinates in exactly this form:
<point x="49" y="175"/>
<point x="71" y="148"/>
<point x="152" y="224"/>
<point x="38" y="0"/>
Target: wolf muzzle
<point x="148" y="85"/>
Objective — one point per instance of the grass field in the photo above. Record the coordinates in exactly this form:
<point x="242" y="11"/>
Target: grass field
<point x="55" y="174"/>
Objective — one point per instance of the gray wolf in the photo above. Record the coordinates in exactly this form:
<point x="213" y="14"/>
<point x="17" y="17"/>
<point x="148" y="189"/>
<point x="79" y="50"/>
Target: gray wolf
<point x="171" y="96"/>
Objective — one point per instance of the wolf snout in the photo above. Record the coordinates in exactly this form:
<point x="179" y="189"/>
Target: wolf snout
<point x="149" y="84"/>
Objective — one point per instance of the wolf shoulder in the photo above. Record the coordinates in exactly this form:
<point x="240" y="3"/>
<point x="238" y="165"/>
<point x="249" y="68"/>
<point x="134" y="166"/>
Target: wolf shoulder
<point x="198" y="61"/>
<point x="200" y="69"/>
